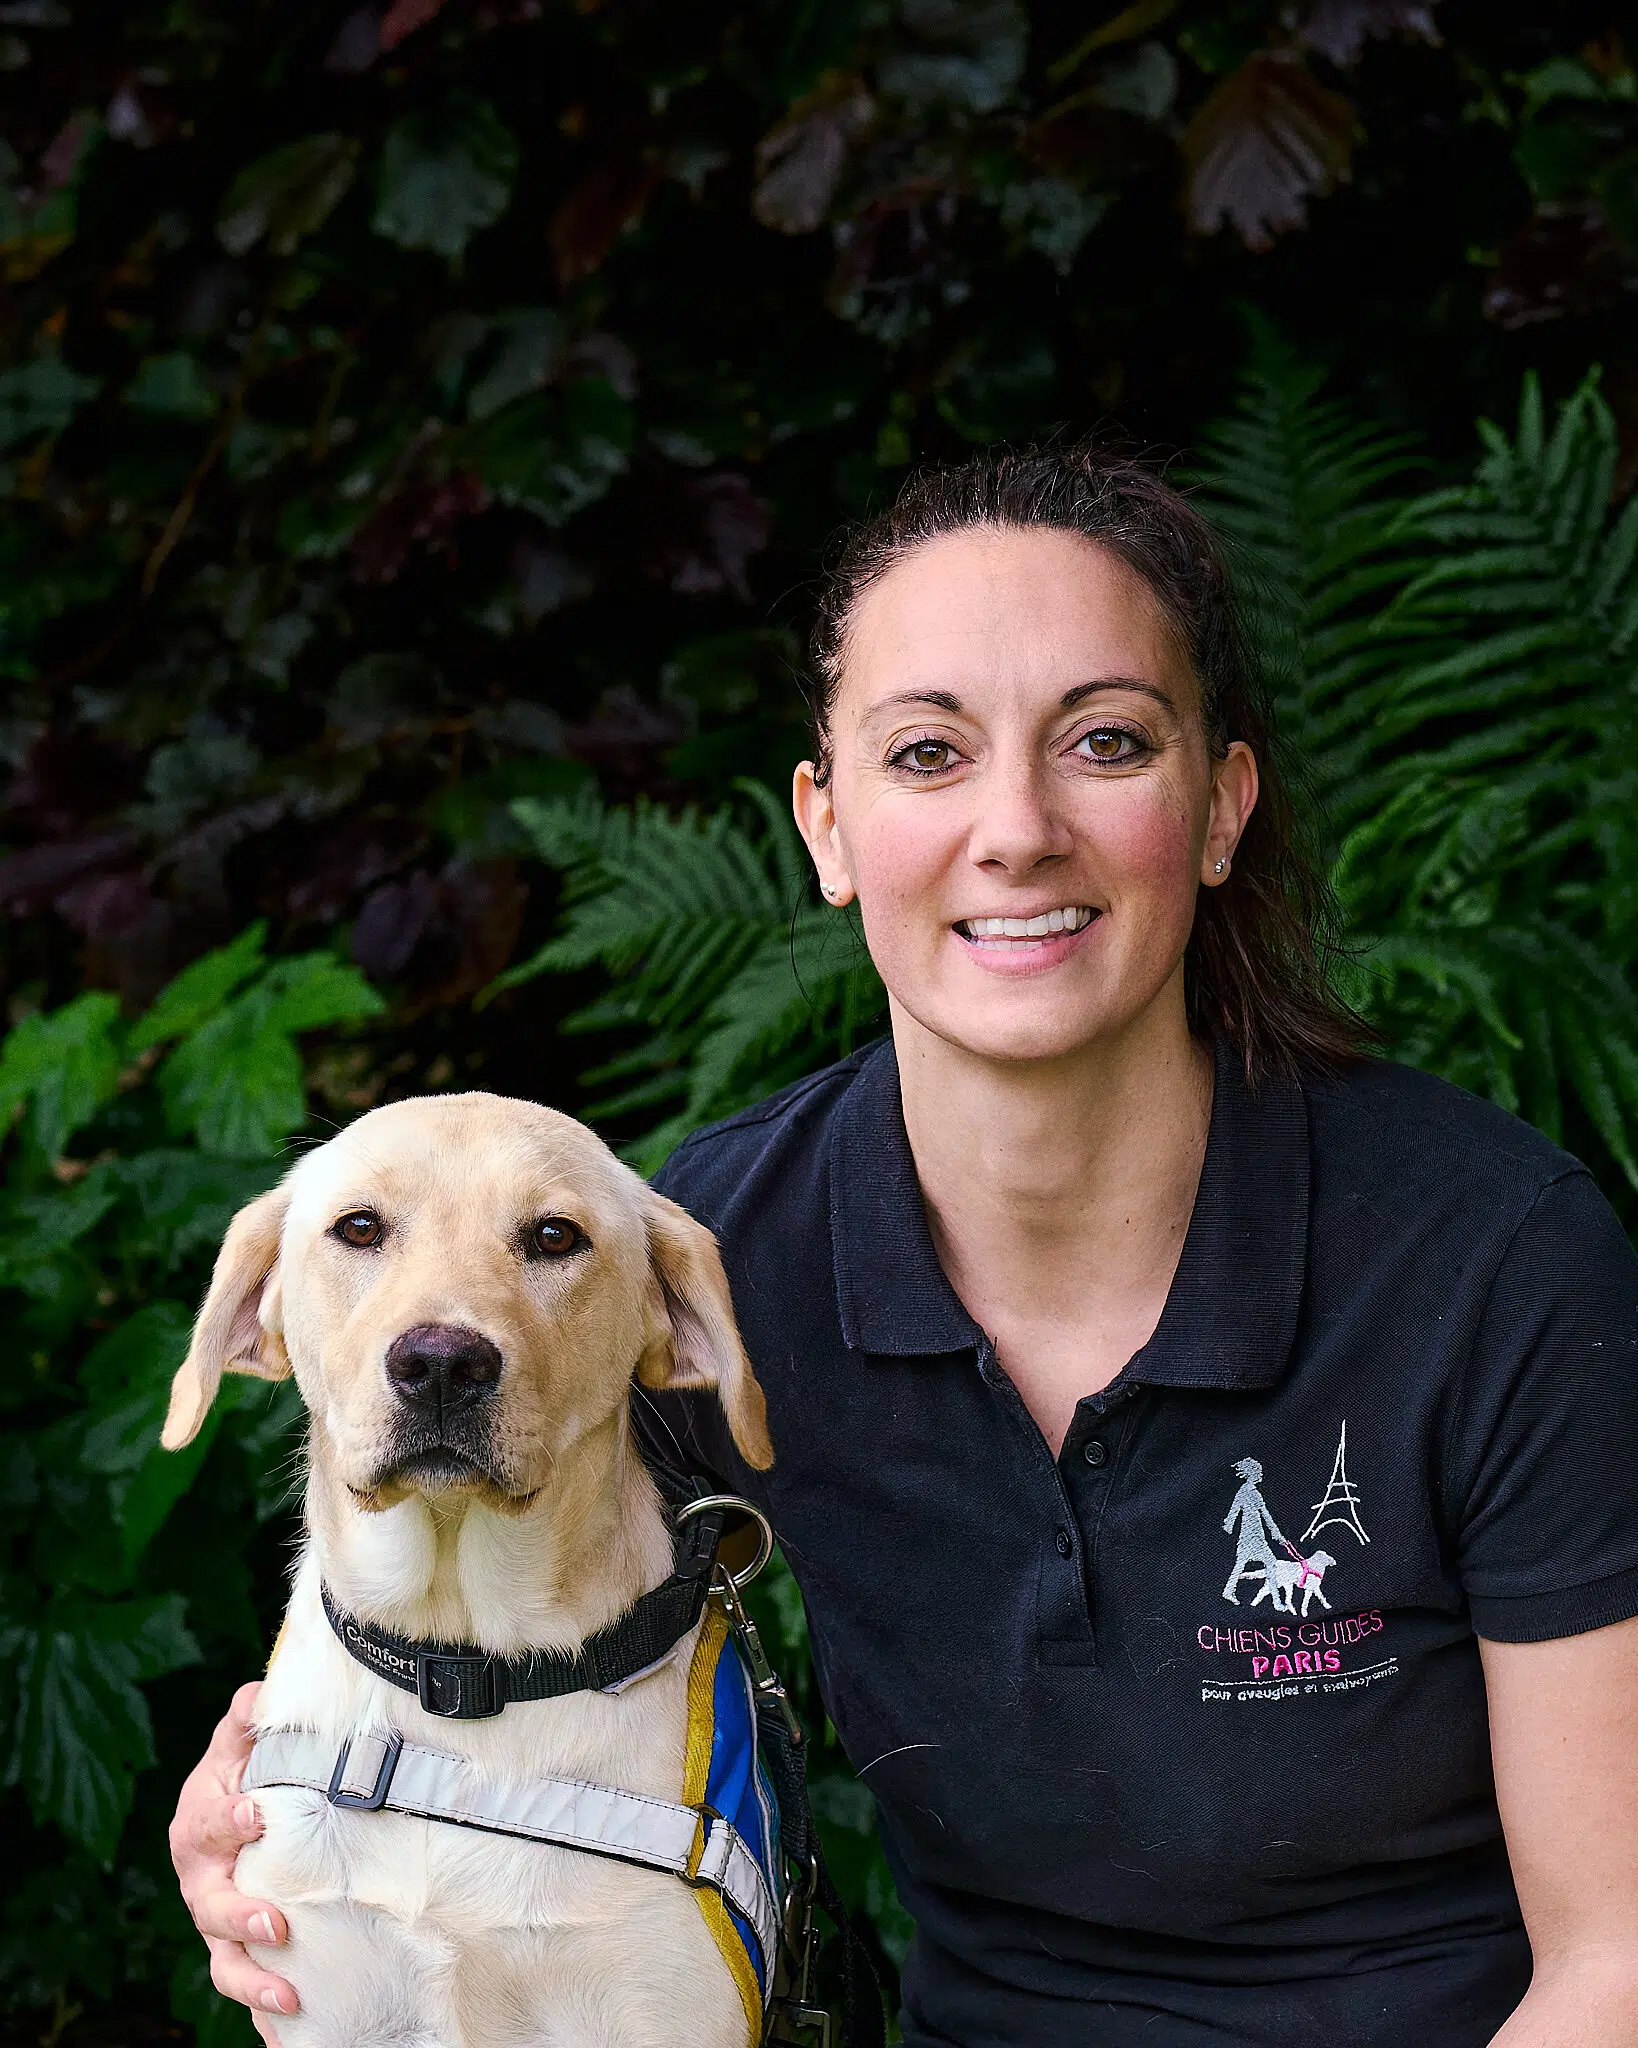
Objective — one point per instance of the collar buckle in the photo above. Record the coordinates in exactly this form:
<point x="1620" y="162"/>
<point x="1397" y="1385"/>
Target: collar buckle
<point x="458" y="1687"/>
<point x="343" y="1793"/>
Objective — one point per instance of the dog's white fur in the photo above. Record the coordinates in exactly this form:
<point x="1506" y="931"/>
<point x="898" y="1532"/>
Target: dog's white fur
<point x="416" y="1934"/>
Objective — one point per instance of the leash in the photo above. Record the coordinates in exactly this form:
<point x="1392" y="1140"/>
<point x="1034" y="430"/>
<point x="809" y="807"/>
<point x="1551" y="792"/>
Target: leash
<point x="1305" y="1570"/>
<point x="461" y="1682"/>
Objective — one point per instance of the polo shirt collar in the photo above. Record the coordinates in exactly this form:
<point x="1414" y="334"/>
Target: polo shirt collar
<point x="1231" y="1315"/>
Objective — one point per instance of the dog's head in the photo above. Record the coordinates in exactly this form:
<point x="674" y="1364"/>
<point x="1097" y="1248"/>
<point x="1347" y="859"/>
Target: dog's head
<point x="464" y="1286"/>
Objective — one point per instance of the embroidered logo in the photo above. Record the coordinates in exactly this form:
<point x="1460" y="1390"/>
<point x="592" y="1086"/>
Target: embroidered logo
<point x="1304" y="1655"/>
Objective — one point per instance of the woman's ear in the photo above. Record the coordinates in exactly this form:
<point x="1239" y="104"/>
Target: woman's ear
<point x="815" y="816"/>
<point x="238" y="1328"/>
<point x="697" y="1343"/>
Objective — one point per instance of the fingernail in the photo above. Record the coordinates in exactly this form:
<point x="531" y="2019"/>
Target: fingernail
<point x="271" y="2002"/>
<point x="261" y="1929"/>
<point x="245" y="1816"/>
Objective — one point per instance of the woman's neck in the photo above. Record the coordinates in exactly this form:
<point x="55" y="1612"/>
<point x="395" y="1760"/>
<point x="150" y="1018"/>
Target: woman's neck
<point x="1059" y="1194"/>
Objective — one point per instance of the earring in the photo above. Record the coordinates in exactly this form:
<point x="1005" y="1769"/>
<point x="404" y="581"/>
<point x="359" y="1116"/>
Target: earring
<point x="828" y="888"/>
<point x="1218" y="866"/>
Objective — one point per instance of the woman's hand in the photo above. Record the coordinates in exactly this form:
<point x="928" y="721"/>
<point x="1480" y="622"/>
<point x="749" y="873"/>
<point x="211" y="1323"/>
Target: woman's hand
<point x="212" y="1824"/>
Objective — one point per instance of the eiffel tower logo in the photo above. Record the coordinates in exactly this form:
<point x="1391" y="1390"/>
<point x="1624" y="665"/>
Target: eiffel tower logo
<point x="1341" y="1502"/>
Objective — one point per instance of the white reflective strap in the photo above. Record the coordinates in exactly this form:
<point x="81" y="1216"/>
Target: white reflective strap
<point x="657" y="1833"/>
<point x="731" y="1868"/>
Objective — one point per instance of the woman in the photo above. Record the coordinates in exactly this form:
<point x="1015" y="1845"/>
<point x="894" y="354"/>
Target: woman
<point x="1116" y="1271"/>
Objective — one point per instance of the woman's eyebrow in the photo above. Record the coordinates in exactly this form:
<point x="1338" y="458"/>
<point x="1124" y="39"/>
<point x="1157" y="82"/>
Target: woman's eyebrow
<point x="1082" y="691"/>
<point x="943" y="700"/>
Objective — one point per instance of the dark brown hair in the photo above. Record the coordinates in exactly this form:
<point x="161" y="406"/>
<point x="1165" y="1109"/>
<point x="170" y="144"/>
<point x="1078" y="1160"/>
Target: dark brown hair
<point x="1255" y="968"/>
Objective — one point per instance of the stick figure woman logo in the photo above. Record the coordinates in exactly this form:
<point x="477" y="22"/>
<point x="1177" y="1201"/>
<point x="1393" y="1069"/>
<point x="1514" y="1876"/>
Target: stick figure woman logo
<point x="1258" y="1538"/>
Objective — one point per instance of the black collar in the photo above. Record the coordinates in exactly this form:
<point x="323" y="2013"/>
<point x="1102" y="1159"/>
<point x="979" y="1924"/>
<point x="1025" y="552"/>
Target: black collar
<point x="1231" y="1315"/>
<point x="460" y="1682"/>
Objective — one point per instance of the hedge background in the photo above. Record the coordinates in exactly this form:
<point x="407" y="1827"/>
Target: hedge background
<point x="408" y="411"/>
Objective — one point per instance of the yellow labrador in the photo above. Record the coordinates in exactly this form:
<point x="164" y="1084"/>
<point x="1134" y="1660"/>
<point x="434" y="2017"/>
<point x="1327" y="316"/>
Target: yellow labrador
<point x="464" y="1288"/>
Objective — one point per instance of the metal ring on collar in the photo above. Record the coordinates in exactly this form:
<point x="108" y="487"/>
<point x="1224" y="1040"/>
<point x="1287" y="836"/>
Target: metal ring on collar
<point x="735" y="1505"/>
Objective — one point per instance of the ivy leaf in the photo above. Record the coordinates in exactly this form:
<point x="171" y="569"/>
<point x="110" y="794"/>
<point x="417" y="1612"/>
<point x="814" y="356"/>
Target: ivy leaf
<point x="971" y="55"/>
<point x="66" y="1064"/>
<point x="800" y="161"/>
<point x="1269" y="139"/>
<point x="554" y="452"/>
<point x="40" y="398"/>
<point x="444" y="176"/>
<point x="1340" y="29"/>
<point x="172" y="387"/>
<point x="80" y="1730"/>
<point x="287" y="194"/>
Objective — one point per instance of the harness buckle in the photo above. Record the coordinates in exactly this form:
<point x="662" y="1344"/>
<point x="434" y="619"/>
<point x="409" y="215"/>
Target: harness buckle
<point x="373" y="1800"/>
<point x="458" y="1687"/>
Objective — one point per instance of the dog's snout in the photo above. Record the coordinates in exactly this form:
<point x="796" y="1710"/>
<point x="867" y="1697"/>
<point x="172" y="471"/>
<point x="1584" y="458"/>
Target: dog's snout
<point x="442" y="1366"/>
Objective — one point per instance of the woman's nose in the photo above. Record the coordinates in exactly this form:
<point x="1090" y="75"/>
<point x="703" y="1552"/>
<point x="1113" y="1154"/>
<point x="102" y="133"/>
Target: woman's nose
<point x="1016" y="821"/>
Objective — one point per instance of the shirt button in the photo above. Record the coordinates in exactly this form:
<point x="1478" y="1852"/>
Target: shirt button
<point x="1065" y="1542"/>
<point x="1096" y="1451"/>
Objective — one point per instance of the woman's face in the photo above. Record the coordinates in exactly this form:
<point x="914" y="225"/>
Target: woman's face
<point x="1022" y="797"/>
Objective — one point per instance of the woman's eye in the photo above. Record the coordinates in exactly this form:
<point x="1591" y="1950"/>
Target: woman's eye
<point x="554" y="1237"/>
<point x="359" y="1227"/>
<point x="925" y="757"/>
<point x="1109" y="743"/>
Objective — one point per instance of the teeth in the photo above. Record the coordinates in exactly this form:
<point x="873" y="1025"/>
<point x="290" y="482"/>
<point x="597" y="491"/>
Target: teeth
<point x="1073" y="918"/>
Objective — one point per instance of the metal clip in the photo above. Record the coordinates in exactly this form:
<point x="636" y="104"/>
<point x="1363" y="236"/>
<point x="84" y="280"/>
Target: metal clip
<point x="764" y="1678"/>
<point x="795" y="2017"/>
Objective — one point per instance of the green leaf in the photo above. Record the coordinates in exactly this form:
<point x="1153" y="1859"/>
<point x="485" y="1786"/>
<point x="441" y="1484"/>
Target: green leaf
<point x="555" y="452"/>
<point x="235" y="1082"/>
<point x="36" y="1229"/>
<point x="445" y="176"/>
<point x="127" y="1381"/>
<point x="235" y="1085"/>
<point x="40" y="398"/>
<point x="200" y="990"/>
<point x="287" y="194"/>
<point x="65" y="1064"/>
<point x="171" y="386"/>
<point x="315" y="989"/>
<point x="80" y="1730"/>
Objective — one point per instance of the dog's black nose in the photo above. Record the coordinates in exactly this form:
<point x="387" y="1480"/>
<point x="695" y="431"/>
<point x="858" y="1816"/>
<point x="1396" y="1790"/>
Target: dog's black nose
<point x="443" y="1367"/>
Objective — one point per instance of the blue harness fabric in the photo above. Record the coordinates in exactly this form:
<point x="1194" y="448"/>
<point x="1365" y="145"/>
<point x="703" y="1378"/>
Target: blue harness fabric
<point x="723" y="1773"/>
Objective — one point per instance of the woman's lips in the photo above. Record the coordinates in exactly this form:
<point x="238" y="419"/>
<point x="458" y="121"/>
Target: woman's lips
<point x="1026" y="945"/>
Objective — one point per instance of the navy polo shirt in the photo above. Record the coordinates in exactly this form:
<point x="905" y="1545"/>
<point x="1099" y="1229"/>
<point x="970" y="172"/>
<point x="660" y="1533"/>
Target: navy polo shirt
<point x="1179" y="1737"/>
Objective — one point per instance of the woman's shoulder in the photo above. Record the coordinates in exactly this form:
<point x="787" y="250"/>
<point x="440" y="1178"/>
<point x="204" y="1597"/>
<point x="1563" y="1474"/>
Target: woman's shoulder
<point x="1381" y="1129"/>
<point x="741" y="1156"/>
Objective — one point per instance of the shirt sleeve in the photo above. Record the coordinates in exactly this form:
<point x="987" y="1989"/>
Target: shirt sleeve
<point x="1544" y="1451"/>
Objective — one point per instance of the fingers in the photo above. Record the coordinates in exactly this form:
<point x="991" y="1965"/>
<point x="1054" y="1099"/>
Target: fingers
<point x="231" y="1741"/>
<point x="236" y="1976"/>
<point x="215" y="1828"/>
<point x="223" y="1914"/>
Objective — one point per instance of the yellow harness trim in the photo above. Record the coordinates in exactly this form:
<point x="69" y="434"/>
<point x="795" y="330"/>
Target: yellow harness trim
<point x="702" y="1679"/>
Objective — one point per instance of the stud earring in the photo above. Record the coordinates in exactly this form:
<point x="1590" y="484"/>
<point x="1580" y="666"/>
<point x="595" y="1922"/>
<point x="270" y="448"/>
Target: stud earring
<point x="829" y="889"/>
<point x="1218" y="866"/>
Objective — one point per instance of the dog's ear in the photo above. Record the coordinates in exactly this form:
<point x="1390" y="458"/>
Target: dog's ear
<point x="697" y="1343"/>
<point x="238" y="1326"/>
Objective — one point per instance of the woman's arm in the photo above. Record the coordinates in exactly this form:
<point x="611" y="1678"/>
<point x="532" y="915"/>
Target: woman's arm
<point x="212" y="1824"/>
<point x="1564" y="1738"/>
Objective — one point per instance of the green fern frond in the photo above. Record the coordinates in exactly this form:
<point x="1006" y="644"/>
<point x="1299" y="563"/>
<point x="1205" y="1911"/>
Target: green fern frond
<point x="734" y="981"/>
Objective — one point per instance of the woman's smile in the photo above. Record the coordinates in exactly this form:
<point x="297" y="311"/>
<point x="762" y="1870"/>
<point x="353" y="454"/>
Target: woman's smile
<point x="1026" y="944"/>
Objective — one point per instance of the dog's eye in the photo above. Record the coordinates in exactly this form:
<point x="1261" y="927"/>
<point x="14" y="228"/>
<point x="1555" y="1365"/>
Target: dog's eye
<point x="360" y="1227"/>
<point x="554" y="1237"/>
